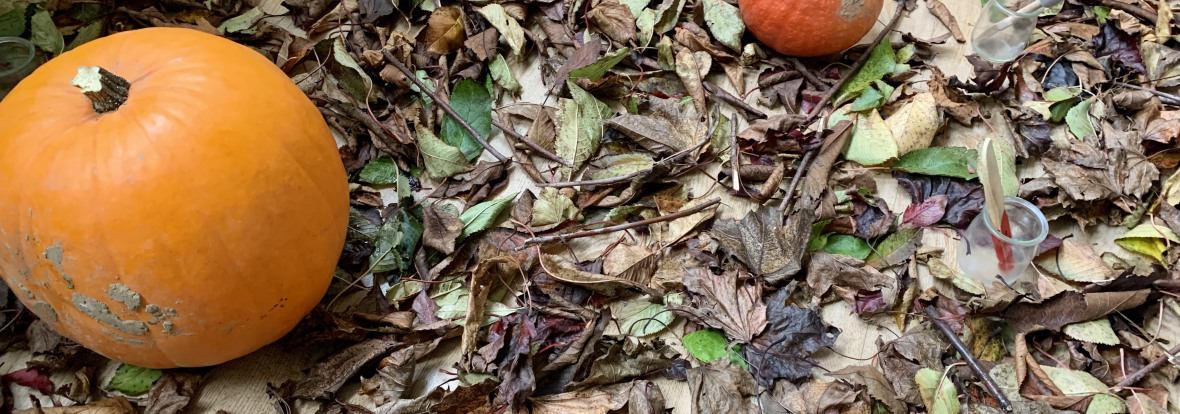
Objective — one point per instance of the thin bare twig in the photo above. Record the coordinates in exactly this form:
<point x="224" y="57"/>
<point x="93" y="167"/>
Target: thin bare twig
<point x="605" y="181"/>
<point x="734" y="156"/>
<point x="1165" y="97"/>
<point x="988" y="382"/>
<point x="810" y="77"/>
<point x="717" y="93"/>
<point x="445" y="106"/>
<point x="537" y="148"/>
<point x="567" y="237"/>
<point x="1142" y="372"/>
<point x="1147" y="16"/>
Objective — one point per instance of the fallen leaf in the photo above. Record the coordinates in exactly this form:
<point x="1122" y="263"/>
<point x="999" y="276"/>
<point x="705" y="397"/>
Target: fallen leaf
<point x="729" y="302"/>
<point x="637" y="397"/>
<point x="722" y="388"/>
<point x="601" y="67"/>
<point x="484" y="43"/>
<point x="872" y="141"/>
<point x="881" y="62"/>
<point x="758" y="240"/>
<point x="552" y="207"/>
<point x="876" y="385"/>
<point x="44" y="33"/>
<point x="1120" y="47"/>
<point x="1148" y="239"/>
<point x="172" y="393"/>
<point x="502" y="74"/>
<point x="1076" y="262"/>
<point x="473" y="102"/>
<point x="692" y="68"/>
<point x="843" y="244"/>
<point x="818" y="397"/>
<point x="725" y="22"/>
<point x="581" y="127"/>
<point x="614" y="19"/>
<point x="565" y="270"/>
<point x="944" y="15"/>
<point x="707" y="345"/>
<point x="505" y="24"/>
<point x="1078" y="119"/>
<point x="132" y="380"/>
<point x="440" y="229"/>
<point x="938" y="392"/>
<point x="916" y="123"/>
<point x="784" y="349"/>
<point x="641" y="318"/>
<point x="488" y="274"/>
<point x="1081" y="383"/>
<point x="960" y="108"/>
<point x="955" y="162"/>
<point x="442" y="160"/>
<point x="328" y="375"/>
<point x="35" y="379"/>
<point x="484" y="215"/>
<point x="871" y="218"/>
<point x="925" y="213"/>
<point x="964" y="199"/>
<point x="1097" y="331"/>
<point x="625" y="359"/>
<point x="663" y="128"/>
<point x="959" y="279"/>
<point x="828" y="270"/>
<point x="895" y="248"/>
<point x="1070" y="307"/>
<point x="116" y="405"/>
<point x="444" y="32"/>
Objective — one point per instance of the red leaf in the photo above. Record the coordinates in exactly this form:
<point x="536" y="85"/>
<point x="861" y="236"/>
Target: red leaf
<point x="32" y="378"/>
<point x="869" y="301"/>
<point x="925" y="213"/>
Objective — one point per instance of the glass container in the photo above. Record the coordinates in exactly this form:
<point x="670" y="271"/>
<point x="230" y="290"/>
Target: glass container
<point x="983" y="244"/>
<point x="18" y="59"/>
<point x="1004" y="28"/>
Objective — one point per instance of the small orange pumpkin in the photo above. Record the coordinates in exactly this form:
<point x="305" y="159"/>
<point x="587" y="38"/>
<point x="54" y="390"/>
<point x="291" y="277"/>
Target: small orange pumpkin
<point x="182" y="206"/>
<point x="808" y="28"/>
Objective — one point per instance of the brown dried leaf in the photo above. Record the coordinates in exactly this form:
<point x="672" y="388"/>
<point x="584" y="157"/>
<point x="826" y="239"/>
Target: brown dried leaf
<point x="662" y="129"/>
<point x="721" y="388"/>
<point x="172" y="393"/>
<point x="638" y="397"/>
<point x="484" y="43"/>
<point x="758" y="240"/>
<point x="730" y="302"/>
<point x="1070" y="307"/>
<point x="959" y="107"/>
<point x="444" y="32"/>
<point x="440" y="229"/>
<point x="614" y="19"/>
<point x="815" y="397"/>
<point x="567" y="271"/>
<point x="1076" y="262"/>
<point x="827" y="270"/>
<point x="116" y="405"/>
<point x="623" y="360"/>
<point x="876" y="385"/>
<point x="692" y="68"/>
<point x="329" y="375"/>
<point x="393" y="377"/>
<point x="944" y="15"/>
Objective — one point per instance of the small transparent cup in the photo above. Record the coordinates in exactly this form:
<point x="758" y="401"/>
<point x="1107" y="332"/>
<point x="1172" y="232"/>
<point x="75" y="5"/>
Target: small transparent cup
<point x="1004" y="28"/>
<point x="18" y="59"/>
<point x="983" y="243"/>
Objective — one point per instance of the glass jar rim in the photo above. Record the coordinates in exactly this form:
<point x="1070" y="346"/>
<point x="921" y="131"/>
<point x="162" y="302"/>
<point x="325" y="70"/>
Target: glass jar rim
<point x="1027" y="205"/>
<point x="19" y="65"/>
<point x="1015" y="12"/>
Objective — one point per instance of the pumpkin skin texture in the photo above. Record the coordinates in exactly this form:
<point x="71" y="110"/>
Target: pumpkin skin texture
<point x="809" y="28"/>
<point x="196" y="223"/>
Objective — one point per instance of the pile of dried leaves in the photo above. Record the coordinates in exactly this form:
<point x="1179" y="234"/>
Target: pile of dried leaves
<point x="573" y="267"/>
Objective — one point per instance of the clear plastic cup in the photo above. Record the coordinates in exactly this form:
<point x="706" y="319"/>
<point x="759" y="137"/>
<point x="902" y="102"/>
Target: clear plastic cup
<point x="978" y="254"/>
<point x="18" y="59"/>
<point x="1004" y="28"/>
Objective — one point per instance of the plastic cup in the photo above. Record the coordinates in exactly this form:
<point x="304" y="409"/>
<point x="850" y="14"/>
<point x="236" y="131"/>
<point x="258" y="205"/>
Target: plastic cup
<point x="18" y="59"/>
<point x="978" y="253"/>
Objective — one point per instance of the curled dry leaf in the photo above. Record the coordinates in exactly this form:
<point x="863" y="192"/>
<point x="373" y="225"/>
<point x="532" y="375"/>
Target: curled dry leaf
<point x="444" y="32"/>
<point x="614" y="19"/>
<point x="330" y="374"/>
<point x="722" y="388"/>
<point x="828" y="270"/>
<point x="817" y="397"/>
<point x="172" y="393"/>
<point x="729" y="302"/>
<point x="637" y="397"/>
<point x="944" y="15"/>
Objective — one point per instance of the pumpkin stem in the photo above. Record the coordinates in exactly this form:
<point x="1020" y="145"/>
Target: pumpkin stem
<point x="107" y="91"/>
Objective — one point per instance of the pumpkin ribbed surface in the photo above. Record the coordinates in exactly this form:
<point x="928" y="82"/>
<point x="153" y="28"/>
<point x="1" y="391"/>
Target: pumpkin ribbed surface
<point x="195" y="223"/>
<point x="808" y="28"/>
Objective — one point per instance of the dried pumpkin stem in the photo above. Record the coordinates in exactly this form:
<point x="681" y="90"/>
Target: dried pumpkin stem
<point x="107" y="91"/>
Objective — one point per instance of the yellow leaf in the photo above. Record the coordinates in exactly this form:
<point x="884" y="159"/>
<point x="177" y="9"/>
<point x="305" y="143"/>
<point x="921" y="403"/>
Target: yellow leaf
<point x="1149" y="240"/>
<point x="916" y="123"/>
<point x="1172" y="189"/>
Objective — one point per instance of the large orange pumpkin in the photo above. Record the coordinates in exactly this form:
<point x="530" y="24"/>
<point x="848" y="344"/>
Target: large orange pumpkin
<point x="193" y="222"/>
<point x="808" y="28"/>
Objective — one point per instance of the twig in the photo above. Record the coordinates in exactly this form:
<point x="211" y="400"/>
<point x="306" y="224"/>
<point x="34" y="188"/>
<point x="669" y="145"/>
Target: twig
<point x="988" y="382"/>
<point x="810" y="77"/>
<point x="726" y="97"/>
<point x="775" y="79"/>
<point x="538" y="149"/>
<point x="567" y="237"/>
<point x="1147" y="16"/>
<point x="1142" y="372"/>
<point x="604" y="181"/>
<point x="734" y="156"/>
<point x="815" y="111"/>
<point x="1165" y="97"/>
<point x="795" y="179"/>
<point x="445" y="106"/>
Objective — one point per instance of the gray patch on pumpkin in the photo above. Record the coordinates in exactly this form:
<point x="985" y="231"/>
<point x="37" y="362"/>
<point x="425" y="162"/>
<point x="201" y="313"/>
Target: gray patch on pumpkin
<point x="121" y="293"/>
<point x="169" y="328"/>
<point x="44" y="311"/>
<point x="849" y="9"/>
<point x="69" y="281"/>
<point x="56" y="255"/>
<point x="100" y="312"/>
<point x="159" y="314"/>
<point x="28" y="293"/>
<point x="132" y="341"/>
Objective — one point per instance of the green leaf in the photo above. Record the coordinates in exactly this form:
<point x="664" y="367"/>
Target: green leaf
<point x="1102" y="12"/>
<point x="725" y="22"/>
<point x="45" y="33"/>
<point x="13" y="23"/>
<point x="502" y="74"/>
<point x="872" y="141"/>
<point x="1148" y="239"/>
<point x="484" y="215"/>
<point x="669" y="13"/>
<point x="352" y="78"/>
<point x="442" y="160"/>
<point x="411" y="234"/>
<point x="938" y="392"/>
<point x="906" y="53"/>
<point x="242" y="23"/>
<point x="636" y="6"/>
<point x="880" y="63"/>
<point x="707" y="345"/>
<point x="597" y="70"/>
<point x="945" y="161"/>
<point x="1063" y="93"/>
<point x="642" y="318"/>
<point x="870" y="99"/>
<point x="897" y="242"/>
<point x="385" y="256"/>
<point x="381" y="171"/>
<point x="848" y="245"/>
<point x="452" y="300"/>
<point x="818" y="239"/>
<point x="581" y="127"/>
<point x="474" y="104"/>
<point x="1079" y="383"/>
<point x="402" y="290"/>
<point x="552" y="207"/>
<point x="1097" y="331"/>
<point x="86" y="33"/>
<point x="1078" y="119"/>
<point x="645" y="22"/>
<point x="134" y="380"/>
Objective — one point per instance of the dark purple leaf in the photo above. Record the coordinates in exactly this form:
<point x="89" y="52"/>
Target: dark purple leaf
<point x="1051" y="242"/>
<point x="964" y="198"/>
<point x="925" y="213"/>
<point x="868" y="221"/>
<point x="988" y="78"/>
<point x="869" y="301"/>
<point x="1036" y="137"/>
<point x="32" y="378"/>
<point x="517" y="380"/>
<point x="1060" y="74"/>
<point x="784" y="349"/>
<point x="1120" y="46"/>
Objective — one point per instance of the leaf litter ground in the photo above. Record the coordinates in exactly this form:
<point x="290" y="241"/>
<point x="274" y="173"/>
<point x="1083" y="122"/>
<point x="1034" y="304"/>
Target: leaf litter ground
<point x="584" y="275"/>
